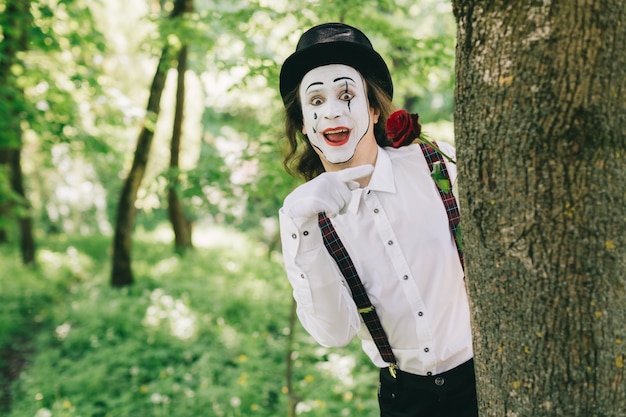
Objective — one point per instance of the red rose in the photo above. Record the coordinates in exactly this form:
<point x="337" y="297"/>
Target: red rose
<point x="403" y="128"/>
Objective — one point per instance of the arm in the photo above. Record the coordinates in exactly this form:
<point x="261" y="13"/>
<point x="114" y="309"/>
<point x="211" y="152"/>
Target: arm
<point x="325" y="305"/>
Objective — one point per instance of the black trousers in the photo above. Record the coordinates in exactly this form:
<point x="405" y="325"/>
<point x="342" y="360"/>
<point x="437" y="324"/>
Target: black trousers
<point x="450" y="394"/>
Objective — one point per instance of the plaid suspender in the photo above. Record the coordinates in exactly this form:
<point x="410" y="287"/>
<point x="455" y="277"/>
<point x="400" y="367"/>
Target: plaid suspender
<point x="364" y="306"/>
<point x="338" y="252"/>
<point x="449" y="201"/>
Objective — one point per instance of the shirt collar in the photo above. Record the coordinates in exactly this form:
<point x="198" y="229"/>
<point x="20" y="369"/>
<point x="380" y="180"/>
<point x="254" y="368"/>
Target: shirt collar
<point x="382" y="177"/>
<point x="381" y="180"/>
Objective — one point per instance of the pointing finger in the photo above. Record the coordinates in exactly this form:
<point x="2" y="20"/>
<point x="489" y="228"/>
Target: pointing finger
<point x="351" y="174"/>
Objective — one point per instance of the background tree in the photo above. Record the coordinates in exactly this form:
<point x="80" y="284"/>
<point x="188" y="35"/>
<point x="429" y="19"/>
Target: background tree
<point x="121" y="272"/>
<point x="540" y="121"/>
<point x="51" y="108"/>
<point x="181" y="224"/>
<point x="15" y="23"/>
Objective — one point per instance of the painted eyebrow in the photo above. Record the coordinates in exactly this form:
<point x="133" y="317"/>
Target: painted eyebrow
<point x="342" y="78"/>
<point x="312" y="84"/>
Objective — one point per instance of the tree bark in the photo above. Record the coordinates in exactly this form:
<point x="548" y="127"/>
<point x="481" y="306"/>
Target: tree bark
<point x="24" y="219"/>
<point x="121" y="273"/>
<point x="540" y="125"/>
<point x="292" y="398"/>
<point x="180" y="223"/>
<point x="16" y="22"/>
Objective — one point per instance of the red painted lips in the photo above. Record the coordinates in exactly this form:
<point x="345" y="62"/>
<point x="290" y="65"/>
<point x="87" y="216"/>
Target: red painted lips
<point x="336" y="136"/>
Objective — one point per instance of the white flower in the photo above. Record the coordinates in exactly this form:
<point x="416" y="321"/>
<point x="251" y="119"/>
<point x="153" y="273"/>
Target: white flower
<point x="43" y="412"/>
<point x="63" y="330"/>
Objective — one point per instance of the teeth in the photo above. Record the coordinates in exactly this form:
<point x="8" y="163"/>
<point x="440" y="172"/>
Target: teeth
<point x="334" y="132"/>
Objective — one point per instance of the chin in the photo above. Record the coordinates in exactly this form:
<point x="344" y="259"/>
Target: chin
<point x="340" y="161"/>
<point x="335" y="157"/>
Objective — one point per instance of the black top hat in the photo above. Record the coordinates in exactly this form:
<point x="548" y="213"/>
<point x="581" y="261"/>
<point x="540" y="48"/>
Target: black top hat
<point x="333" y="43"/>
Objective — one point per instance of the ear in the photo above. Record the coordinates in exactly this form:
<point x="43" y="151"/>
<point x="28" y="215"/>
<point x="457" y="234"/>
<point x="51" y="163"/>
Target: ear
<point x="303" y="128"/>
<point x="375" y="115"/>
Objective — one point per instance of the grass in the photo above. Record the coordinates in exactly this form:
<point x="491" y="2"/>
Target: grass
<point x="205" y="334"/>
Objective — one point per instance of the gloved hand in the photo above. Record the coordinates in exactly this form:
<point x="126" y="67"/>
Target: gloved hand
<point x="329" y="192"/>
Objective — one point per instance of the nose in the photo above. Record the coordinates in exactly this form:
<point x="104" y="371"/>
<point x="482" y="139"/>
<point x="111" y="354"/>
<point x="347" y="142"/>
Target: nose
<point x="334" y="108"/>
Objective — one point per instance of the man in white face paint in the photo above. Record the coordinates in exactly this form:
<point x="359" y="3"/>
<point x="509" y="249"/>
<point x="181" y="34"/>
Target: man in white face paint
<point x="337" y="115"/>
<point x="369" y="224"/>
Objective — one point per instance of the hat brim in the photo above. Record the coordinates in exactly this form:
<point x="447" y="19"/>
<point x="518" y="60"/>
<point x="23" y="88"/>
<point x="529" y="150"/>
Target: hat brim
<point x="365" y="60"/>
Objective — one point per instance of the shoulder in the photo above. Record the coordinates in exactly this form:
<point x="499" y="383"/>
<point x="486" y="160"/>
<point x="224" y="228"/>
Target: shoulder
<point x="412" y="156"/>
<point x="403" y="152"/>
<point x="447" y="148"/>
<point x="410" y="151"/>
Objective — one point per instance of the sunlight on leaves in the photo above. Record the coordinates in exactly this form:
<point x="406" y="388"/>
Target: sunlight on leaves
<point x="43" y="412"/>
<point x="166" y="265"/>
<point x="339" y="367"/>
<point x="165" y="312"/>
<point x="229" y="336"/>
<point x="63" y="330"/>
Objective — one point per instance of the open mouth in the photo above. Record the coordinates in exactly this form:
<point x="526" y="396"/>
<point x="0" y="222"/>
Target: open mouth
<point x="337" y="136"/>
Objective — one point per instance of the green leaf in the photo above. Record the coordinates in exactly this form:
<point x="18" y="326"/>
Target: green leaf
<point x="439" y="177"/>
<point x="459" y="238"/>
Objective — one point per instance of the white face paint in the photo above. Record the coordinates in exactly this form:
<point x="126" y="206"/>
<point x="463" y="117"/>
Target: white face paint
<point x="335" y="110"/>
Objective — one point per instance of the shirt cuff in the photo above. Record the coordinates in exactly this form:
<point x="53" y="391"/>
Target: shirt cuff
<point x="299" y="236"/>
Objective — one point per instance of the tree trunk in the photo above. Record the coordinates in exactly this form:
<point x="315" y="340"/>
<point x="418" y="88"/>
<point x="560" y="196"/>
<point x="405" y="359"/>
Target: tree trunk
<point x="24" y="220"/>
<point x="121" y="274"/>
<point x="180" y="223"/>
<point x="15" y="22"/>
<point x="540" y="122"/>
<point x="7" y="196"/>
<point x="292" y="398"/>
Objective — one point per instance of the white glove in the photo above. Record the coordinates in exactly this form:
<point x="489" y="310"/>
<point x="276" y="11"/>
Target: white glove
<point x="329" y="192"/>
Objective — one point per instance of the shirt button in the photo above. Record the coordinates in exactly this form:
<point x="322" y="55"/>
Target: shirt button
<point x="429" y="373"/>
<point x="390" y="242"/>
<point x="294" y="236"/>
<point x="302" y="276"/>
<point x="420" y="314"/>
<point x="376" y="210"/>
<point x="405" y="277"/>
<point x="439" y="381"/>
<point x="306" y="233"/>
<point x="426" y="349"/>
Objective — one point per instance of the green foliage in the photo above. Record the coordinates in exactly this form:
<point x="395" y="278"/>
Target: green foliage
<point x="80" y="89"/>
<point x="440" y="178"/>
<point x="204" y="334"/>
<point x="59" y="74"/>
<point x="23" y="297"/>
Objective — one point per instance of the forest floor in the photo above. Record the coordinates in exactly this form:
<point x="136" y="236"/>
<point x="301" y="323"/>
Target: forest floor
<point x="14" y="359"/>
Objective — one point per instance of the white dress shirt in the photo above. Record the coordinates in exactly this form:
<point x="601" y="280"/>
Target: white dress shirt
<point x="396" y="232"/>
